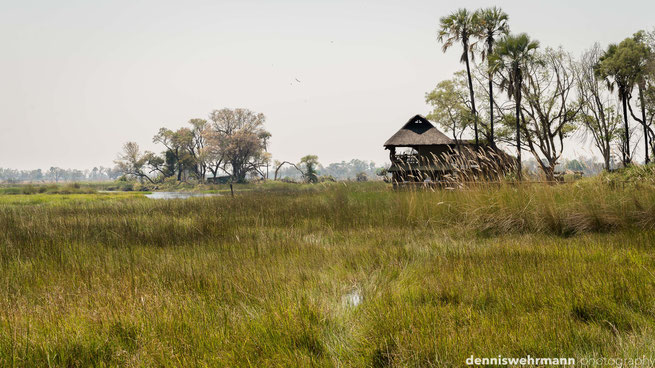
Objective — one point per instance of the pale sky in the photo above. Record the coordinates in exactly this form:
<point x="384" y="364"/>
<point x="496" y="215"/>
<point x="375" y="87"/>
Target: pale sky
<point x="80" y="78"/>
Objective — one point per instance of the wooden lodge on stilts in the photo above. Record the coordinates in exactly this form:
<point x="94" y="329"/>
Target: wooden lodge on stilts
<point x="421" y="154"/>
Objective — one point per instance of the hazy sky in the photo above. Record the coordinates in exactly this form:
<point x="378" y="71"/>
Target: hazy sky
<point x="79" y="78"/>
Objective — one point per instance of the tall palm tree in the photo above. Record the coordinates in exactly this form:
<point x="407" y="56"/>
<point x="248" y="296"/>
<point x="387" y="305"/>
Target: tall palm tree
<point x="460" y="26"/>
<point x="613" y="70"/>
<point x="512" y="55"/>
<point x="622" y="65"/>
<point x="493" y="23"/>
<point x="641" y="60"/>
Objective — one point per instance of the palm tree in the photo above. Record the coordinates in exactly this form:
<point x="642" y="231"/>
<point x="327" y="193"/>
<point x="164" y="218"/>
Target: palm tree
<point x="613" y="67"/>
<point x="460" y="26"/>
<point x="493" y="23"/>
<point x="510" y="58"/>
<point x="626" y="66"/>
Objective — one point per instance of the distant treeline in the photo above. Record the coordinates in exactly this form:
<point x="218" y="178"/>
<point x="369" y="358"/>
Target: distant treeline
<point x="354" y="169"/>
<point x="343" y="170"/>
<point x="588" y="166"/>
<point x="338" y="171"/>
<point x="57" y="174"/>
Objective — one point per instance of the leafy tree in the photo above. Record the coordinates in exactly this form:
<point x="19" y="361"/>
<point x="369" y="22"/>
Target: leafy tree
<point x="644" y="81"/>
<point x="549" y="112"/>
<point x="279" y="164"/>
<point x="349" y="169"/>
<point x="512" y="56"/>
<point x="480" y="75"/>
<point x="460" y="26"/>
<point x="173" y="141"/>
<point x="598" y="116"/>
<point x="186" y="160"/>
<point x="574" y="165"/>
<point x="157" y="164"/>
<point x="310" y="162"/>
<point x="186" y="149"/>
<point x="56" y="173"/>
<point x="234" y="142"/>
<point x="213" y="152"/>
<point x="621" y="146"/>
<point x="450" y="110"/>
<point x="170" y="163"/>
<point x="132" y="162"/>
<point x="238" y="137"/>
<point x="196" y="146"/>
<point x="493" y="24"/>
<point x="382" y="172"/>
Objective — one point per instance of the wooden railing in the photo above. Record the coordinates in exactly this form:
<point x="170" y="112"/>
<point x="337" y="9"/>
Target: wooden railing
<point x="447" y="184"/>
<point x="405" y="159"/>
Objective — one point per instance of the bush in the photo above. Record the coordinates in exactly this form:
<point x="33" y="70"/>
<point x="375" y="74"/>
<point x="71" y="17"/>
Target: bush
<point x="29" y="189"/>
<point x="125" y="186"/>
<point x="643" y="174"/>
<point x="141" y="188"/>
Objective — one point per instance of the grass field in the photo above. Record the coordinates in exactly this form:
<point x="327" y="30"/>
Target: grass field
<point x="328" y="275"/>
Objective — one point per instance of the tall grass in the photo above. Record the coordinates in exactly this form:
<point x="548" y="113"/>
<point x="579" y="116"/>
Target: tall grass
<point x="269" y="277"/>
<point x="72" y="188"/>
<point x="560" y="210"/>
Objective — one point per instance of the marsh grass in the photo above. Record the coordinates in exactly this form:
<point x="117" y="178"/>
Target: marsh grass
<point x="260" y="279"/>
<point x="71" y="188"/>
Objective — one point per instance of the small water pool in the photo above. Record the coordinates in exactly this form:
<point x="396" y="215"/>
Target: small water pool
<point x="178" y="195"/>
<point x="352" y="299"/>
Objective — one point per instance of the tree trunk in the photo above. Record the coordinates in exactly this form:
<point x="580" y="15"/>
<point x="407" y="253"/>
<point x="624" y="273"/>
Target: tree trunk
<point x="606" y="156"/>
<point x="179" y="165"/>
<point x="626" y="143"/>
<point x="491" y="101"/>
<point x="475" y="114"/>
<point x="237" y="174"/>
<point x="392" y="154"/>
<point x="550" y="172"/>
<point x="643" y="118"/>
<point x="491" y="113"/>
<point x="517" y="98"/>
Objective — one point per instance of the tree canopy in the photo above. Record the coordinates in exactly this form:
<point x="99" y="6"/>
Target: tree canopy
<point x="231" y="142"/>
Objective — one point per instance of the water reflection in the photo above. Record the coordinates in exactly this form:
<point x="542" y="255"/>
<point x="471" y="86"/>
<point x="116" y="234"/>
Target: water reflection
<point x="352" y="299"/>
<point x="178" y="195"/>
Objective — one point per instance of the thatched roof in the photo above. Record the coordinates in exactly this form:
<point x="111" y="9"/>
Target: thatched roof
<point x="418" y="132"/>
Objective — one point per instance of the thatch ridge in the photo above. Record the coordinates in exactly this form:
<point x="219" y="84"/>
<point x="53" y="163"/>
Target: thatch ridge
<point x="418" y="131"/>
